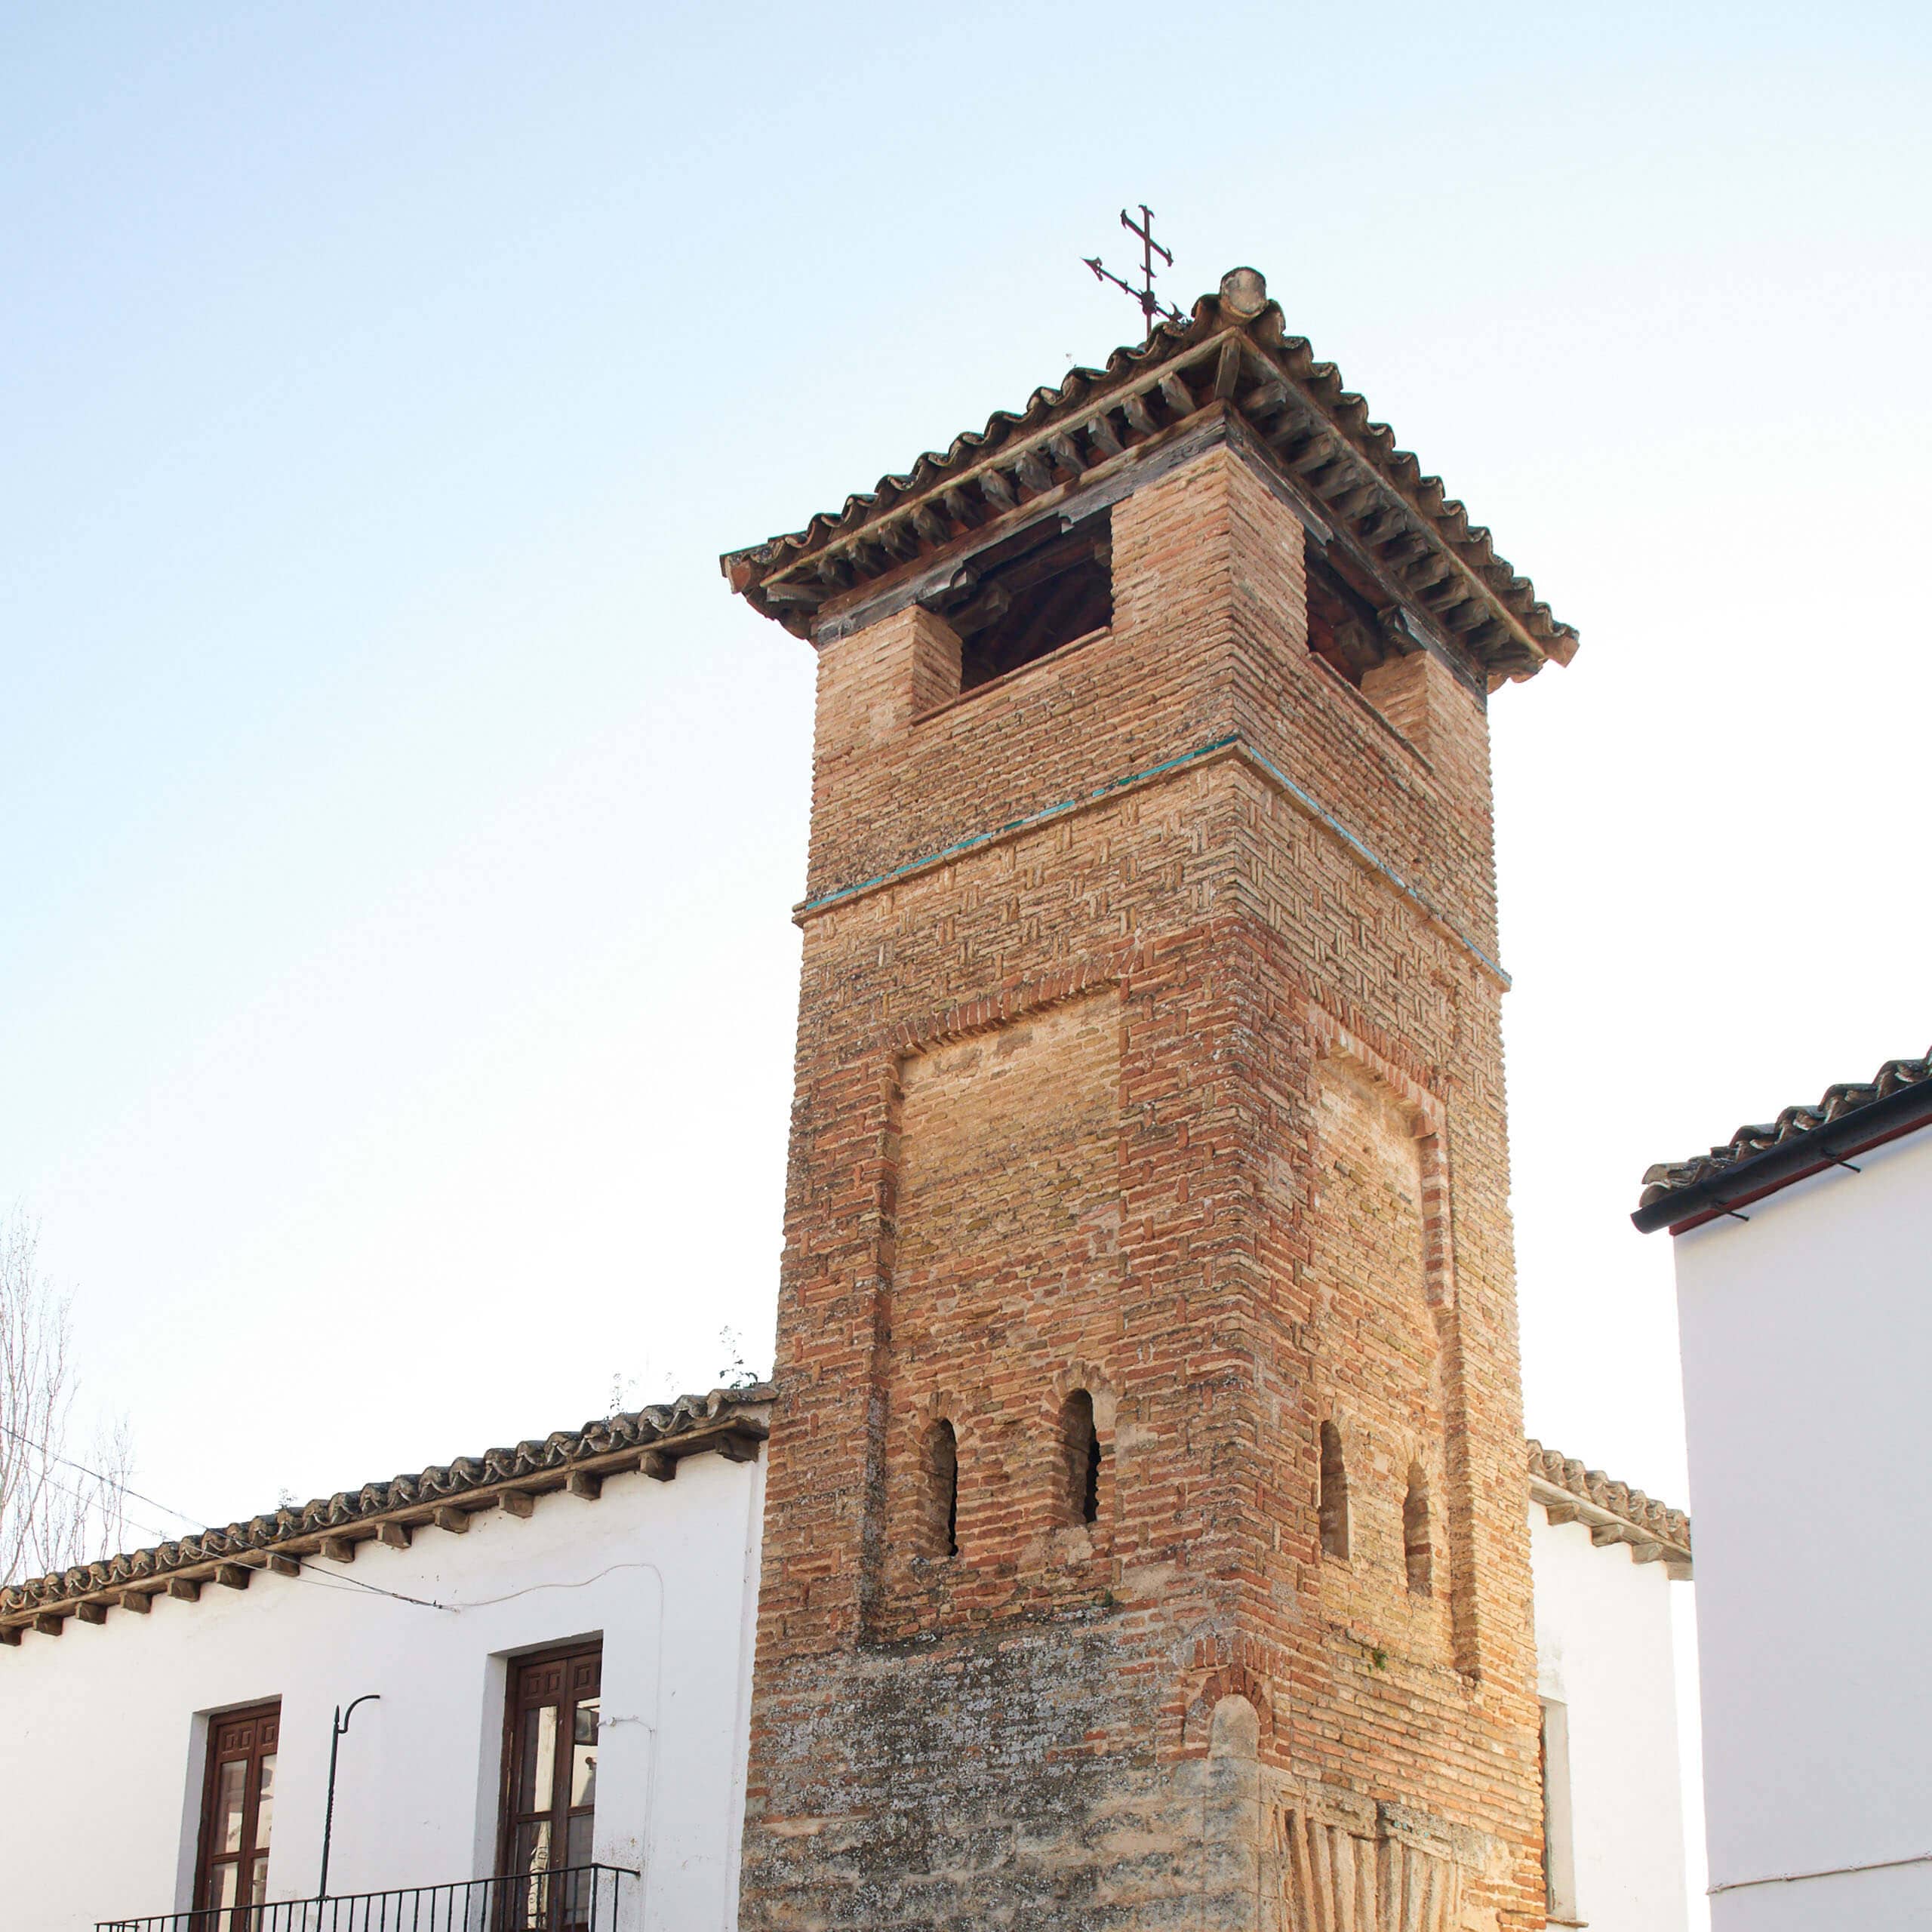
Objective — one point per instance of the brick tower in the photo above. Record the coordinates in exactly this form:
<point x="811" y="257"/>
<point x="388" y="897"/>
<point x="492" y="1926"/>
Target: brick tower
<point x="1146" y="1544"/>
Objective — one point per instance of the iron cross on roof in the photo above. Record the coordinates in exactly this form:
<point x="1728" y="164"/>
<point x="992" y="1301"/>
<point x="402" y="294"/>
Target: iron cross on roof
<point x="1151" y="306"/>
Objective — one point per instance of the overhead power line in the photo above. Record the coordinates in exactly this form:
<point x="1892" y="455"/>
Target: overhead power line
<point x="53" y="1456"/>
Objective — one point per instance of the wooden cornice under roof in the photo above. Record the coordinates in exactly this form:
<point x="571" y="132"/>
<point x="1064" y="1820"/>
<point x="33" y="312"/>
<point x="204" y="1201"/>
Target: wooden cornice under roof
<point x="1367" y="504"/>
<point x="731" y="1421"/>
<point x="1612" y="1511"/>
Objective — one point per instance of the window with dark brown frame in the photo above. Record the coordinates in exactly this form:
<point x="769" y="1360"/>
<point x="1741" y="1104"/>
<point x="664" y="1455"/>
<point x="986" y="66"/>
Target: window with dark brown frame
<point x="238" y="1814"/>
<point x="550" y="1752"/>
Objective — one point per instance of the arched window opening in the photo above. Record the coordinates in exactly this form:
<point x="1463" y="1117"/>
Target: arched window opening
<point x="943" y="1463"/>
<point x="1334" y="1507"/>
<point x="1421" y="1558"/>
<point x="1081" y="1440"/>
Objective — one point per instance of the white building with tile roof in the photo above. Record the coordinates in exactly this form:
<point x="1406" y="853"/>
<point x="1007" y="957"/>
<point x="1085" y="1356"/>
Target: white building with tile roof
<point x="557" y="1642"/>
<point x="1803" y="1259"/>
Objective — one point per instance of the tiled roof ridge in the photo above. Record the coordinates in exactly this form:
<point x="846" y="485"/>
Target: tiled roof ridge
<point x="1667" y="1177"/>
<point x="712" y="1414"/>
<point x="931" y="466"/>
<point x="1277" y="368"/>
<point x="1659" y="1521"/>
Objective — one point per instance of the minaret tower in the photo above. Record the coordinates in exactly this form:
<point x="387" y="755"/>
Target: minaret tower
<point x="1146" y="1542"/>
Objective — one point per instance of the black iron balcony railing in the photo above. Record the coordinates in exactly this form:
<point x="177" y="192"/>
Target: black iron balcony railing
<point x="581" y="1898"/>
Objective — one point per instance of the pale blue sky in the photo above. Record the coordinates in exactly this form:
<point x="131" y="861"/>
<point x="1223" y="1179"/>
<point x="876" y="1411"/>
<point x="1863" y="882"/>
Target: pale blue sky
<point x="401" y="822"/>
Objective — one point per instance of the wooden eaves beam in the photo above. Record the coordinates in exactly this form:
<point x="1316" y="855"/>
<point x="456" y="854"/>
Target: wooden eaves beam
<point x="1403" y="549"/>
<point x="735" y="1437"/>
<point x="1607" y="1529"/>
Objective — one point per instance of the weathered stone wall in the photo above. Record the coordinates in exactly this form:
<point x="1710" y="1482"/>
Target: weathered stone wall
<point x="1180" y="1097"/>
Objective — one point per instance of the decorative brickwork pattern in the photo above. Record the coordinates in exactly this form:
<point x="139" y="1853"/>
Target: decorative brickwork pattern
<point x="1177" y="1096"/>
<point x="1007" y="1217"/>
<point x="1340" y="1881"/>
<point x="1380" y="1372"/>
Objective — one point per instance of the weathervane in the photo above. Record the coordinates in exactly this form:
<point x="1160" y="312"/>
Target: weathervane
<point x="1151" y="305"/>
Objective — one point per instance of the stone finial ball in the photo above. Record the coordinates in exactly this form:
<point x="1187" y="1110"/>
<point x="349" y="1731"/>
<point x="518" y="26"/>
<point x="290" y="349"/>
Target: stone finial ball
<point x="1244" y="293"/>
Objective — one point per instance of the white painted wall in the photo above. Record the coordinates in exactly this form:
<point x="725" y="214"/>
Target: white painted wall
<point x="1604" y="1651"/>
<point x="102" y="1730"/>
<point x="1807" y="1348"/>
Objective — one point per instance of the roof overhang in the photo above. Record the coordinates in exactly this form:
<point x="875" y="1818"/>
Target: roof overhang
<point x="1612" y="1511"/>
<point x="1100" y="434"/>
<point x="730" y="1423"/>
<point x="1722" y="1182"/>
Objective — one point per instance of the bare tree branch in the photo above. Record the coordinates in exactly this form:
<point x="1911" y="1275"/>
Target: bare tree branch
<point x="54" y="1511"/>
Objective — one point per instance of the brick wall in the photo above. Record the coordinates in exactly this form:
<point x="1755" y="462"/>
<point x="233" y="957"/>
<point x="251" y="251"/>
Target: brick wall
<point x="1179" y="1097"/>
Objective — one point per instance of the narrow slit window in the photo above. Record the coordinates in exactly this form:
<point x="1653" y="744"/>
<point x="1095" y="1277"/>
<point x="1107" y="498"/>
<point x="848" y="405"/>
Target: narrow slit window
<point x="1081" y="1438"/>
<point x="1334" y="1503"/>
<point x="943" y="1460"/>
<point x="1415" y="1547"/>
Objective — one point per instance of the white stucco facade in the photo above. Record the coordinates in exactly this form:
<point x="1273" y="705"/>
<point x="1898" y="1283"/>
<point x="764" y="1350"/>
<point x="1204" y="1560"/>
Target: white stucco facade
<point x="103" y="1728"/>
<point x="1806" y="1333"/>
<point x="1604" y="1654"/>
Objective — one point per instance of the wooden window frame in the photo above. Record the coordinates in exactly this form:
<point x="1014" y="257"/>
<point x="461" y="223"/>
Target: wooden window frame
<point x="267" y="1710"/>
<point x="564" y="1654"/>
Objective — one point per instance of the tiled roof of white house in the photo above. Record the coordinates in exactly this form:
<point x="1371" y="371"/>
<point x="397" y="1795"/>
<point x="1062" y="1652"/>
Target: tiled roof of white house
<point x="1612" y="1511"/>
<point x="1762" y="1156"/>
<point x="731" y="1421"/>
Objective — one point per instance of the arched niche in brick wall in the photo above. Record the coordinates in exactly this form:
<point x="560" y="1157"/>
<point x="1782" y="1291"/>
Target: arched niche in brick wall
<point x="1381" y="1274"/>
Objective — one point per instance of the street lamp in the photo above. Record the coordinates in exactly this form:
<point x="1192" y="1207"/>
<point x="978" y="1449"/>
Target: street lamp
<point x="337" y="1732"/>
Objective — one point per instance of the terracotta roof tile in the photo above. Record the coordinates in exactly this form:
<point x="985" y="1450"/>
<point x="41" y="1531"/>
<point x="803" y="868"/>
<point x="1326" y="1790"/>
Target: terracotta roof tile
<point x="1671" y="1177"/>
<point x="1614" y="1509"/>
<point x="1232" y="353"/>
<point x="688" y="1426"/>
